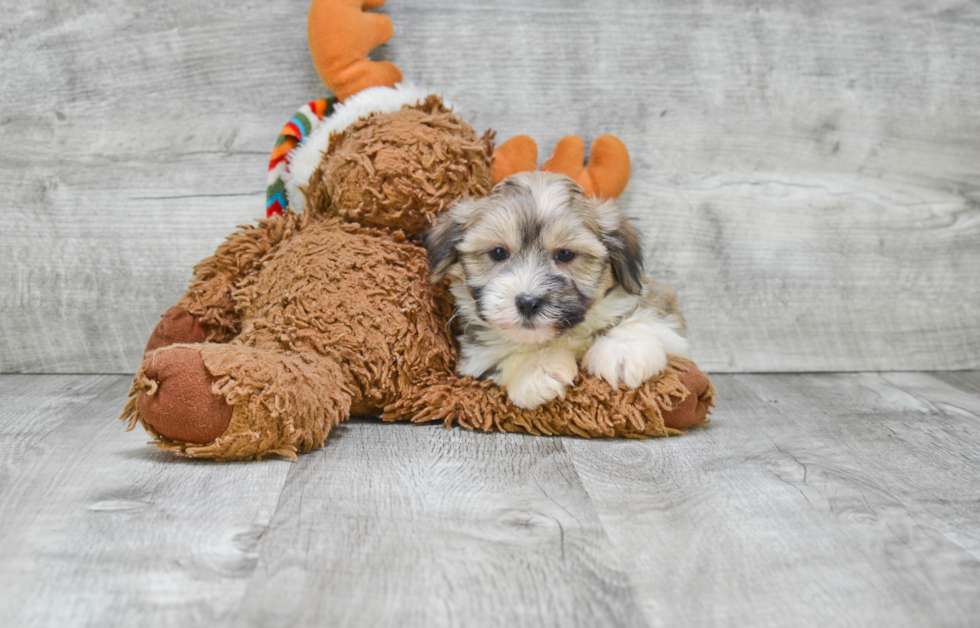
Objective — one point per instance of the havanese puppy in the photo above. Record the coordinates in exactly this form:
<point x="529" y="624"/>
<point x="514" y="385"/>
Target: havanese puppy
<point x="544" y="278"/>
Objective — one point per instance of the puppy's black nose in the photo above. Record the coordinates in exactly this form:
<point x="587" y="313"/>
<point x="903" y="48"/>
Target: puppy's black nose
<point x="528" y="304"/>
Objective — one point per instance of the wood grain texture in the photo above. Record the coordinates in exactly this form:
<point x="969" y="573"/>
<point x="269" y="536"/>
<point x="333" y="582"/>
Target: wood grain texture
<point x="400" y="525"/>
<point x="811" y="500"/>
<point x="32" y="406"/>
<point x="99" y="529"/>
<point x="805" y="173"/>
<point x="818" y="500"/>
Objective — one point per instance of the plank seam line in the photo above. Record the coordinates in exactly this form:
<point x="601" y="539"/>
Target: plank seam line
<point x="602" y="526"/>
<point x="185" y="196"/>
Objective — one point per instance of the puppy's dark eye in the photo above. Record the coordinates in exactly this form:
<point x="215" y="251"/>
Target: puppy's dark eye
<point x="564" y="255"/>
<point x="499" y="254"/>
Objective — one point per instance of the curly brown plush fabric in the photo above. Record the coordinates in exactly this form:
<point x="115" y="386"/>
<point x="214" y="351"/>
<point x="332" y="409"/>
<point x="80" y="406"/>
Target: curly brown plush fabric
<point x="591" y="408"/>
<point x="210" y="296"/>
<point x="313" y="318"/>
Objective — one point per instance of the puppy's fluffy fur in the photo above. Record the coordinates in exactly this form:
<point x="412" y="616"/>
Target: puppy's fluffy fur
<point x="544" y="277"/>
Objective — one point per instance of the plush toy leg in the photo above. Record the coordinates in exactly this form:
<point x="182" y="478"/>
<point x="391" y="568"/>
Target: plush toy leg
<point x="678" y="399"/>
<point x="233" y="402"/>
<point x="341" y="35"/>
<point x="518" y="154"/>
<point x="607" y="172"/>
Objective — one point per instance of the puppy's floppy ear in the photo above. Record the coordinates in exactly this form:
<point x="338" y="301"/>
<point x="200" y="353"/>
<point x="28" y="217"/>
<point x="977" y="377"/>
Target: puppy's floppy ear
<point x="623" y="242"/>
<point x="442" y="238"/>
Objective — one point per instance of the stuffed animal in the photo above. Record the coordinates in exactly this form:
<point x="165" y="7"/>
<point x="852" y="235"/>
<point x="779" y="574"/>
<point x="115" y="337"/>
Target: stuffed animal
<point x="324" y="310"/>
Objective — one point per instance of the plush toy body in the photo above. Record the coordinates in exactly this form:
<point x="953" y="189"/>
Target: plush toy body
<point x="333" y="324"/>
<point x="307" y="319"/>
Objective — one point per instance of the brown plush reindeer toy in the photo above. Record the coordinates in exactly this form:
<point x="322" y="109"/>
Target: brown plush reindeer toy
<point x="326" y="311"/>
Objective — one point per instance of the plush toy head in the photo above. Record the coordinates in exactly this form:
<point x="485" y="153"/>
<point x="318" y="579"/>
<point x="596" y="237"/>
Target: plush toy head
<point x="399" y="170"/>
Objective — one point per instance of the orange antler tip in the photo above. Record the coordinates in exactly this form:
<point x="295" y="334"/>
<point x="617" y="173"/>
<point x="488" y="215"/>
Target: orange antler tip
<point x="518" y="154"/>
<point x="568" y="156"/>
<point x="609" y="166"/>
<point x="341" y="35"/>
<point x="607" y="172"/>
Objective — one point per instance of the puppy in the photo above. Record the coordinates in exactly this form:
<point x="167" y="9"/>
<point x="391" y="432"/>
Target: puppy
<point x="544" y="278"/>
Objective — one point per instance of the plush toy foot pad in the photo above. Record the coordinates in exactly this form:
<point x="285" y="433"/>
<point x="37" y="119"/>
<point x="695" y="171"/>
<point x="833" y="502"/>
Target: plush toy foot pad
<point x="177" y="326"/>
<point x="179" y="403"/>
<point x="695" y="407"/>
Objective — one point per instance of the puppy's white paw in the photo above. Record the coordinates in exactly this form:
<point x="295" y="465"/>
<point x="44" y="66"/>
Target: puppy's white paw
<point x="616" y="358"/>
<point x="540" y="377"/>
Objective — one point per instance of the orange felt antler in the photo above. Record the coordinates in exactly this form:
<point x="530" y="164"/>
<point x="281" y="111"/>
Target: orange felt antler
<point x="341" y="35"/>
<point x="518" y="154"/>
<point x="607" y="172"/>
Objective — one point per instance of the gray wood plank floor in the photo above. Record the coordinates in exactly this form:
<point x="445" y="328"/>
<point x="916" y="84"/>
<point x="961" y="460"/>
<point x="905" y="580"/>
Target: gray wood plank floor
<point x="812" y="499"/>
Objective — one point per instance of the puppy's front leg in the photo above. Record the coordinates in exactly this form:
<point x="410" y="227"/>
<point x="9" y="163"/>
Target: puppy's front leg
<point x="536" y="377"/>
<point x="634" y="350"/>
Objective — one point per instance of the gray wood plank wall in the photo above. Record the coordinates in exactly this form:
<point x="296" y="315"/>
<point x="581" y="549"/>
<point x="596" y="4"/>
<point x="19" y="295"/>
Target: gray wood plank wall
<point x="806" y="174"/>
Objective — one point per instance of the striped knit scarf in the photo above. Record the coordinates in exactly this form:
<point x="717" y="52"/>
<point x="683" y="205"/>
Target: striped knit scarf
<point x="296" y="130"/>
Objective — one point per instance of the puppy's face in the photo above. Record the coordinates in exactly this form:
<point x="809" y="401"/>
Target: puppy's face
<point x="535" y="254"/>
